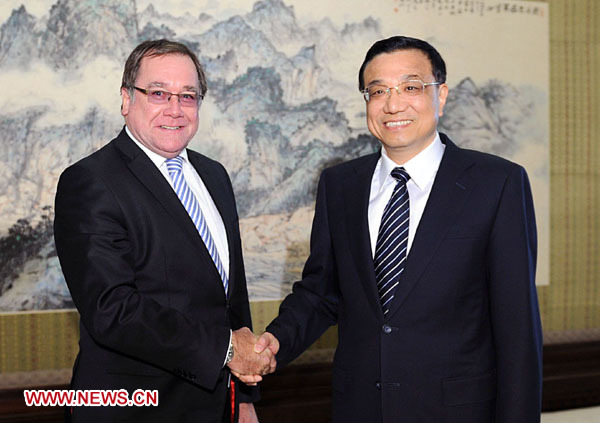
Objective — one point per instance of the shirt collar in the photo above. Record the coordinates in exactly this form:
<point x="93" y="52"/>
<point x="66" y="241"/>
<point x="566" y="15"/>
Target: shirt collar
<point x="156" y="158"/>
<point x="421" y="168"/>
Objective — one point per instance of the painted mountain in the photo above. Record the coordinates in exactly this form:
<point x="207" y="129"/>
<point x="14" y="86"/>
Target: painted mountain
<point x="282" y="105"/>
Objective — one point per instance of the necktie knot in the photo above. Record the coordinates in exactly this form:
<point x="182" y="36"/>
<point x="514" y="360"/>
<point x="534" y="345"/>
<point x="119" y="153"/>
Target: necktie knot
<point x="400" y="174"/>
<point x="174" y="165"/>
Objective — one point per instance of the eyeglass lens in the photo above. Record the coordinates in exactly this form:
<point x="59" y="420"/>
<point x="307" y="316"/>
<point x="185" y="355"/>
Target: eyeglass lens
<point x="163" y="97"/>
<point x="408" y="89"/>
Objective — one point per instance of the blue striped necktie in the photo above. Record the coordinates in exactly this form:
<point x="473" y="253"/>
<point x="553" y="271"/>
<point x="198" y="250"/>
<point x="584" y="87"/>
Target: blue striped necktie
<point x="189" y="201"/>
<point x="392" y="240"/>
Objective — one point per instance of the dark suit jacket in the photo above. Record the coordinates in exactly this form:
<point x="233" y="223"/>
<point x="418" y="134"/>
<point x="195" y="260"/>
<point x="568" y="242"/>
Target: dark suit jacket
<point x="154" y="314"/>
<point x="462" y="342"/>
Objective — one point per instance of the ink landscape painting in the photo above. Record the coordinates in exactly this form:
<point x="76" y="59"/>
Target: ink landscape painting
<point x="282" y="105"/>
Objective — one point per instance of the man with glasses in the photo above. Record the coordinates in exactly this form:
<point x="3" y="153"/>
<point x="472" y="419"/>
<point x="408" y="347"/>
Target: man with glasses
<point x="424" y="256"/>
<point x="148" y="239"/>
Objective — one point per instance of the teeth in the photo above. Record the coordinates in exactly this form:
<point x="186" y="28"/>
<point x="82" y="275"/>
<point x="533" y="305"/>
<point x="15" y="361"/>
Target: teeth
<point x="395" y="124"/>
<point x="170" y="127"/>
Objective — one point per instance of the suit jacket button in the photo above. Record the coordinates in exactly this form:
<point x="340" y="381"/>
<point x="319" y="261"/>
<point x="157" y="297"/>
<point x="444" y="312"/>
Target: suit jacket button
<point x="378" y="385"/>
<point x="386" y="329"/>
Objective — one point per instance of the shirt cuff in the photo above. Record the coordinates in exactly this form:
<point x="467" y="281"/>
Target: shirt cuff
<point x="228" y="347"/>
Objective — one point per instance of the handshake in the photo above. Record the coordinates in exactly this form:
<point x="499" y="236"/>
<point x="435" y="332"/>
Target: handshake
<point x="253" y="356"/>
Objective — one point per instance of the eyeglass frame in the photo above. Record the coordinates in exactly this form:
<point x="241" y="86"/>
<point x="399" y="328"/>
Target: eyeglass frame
<point x="388" y="90"/>
<point x="146" y="92"/>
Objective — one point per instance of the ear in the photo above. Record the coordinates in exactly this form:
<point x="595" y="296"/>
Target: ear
<point x="442" y="96"/>
<point x="126" y="100"/>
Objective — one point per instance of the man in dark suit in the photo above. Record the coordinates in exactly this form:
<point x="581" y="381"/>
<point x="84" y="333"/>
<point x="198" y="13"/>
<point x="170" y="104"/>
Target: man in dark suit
<point x="424" y="255"/>
<point x="148" y="239"/>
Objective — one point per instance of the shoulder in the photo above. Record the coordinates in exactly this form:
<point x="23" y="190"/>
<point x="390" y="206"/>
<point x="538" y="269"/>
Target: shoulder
<point x="485" y="163"/>
<point x="209" y="169"/>
<point x="361" y="164"/>
<point x="205" y="162"/>
<point x="491" y="161"/>
<point x="103" y="160"/>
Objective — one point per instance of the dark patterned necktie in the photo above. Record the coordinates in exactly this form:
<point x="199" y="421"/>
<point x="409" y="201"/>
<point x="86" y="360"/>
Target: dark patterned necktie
<point x="392" y="240"/>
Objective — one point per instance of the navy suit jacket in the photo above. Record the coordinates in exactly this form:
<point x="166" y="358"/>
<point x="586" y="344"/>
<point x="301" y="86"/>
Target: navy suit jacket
<point x="154" y="314"/>
<point x="462" y="341"/>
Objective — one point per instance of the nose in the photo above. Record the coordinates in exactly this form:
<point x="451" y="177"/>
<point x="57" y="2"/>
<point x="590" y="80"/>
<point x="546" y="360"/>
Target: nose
<point x="395" y="102"/>
<point x="173" y="107"/>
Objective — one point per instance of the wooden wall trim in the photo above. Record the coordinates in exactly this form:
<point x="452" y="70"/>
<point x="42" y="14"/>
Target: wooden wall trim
<point x="571" y="376"/>
<point x="14" y="410"/>
<point x="301" y="393"/>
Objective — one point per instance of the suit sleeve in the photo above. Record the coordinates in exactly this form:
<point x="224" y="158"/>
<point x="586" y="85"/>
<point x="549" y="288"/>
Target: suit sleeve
<point x="239" y="305"/>
<point x="514" y="307"/>
<point x="312" y="306"/>
<point x="95" y="252"/>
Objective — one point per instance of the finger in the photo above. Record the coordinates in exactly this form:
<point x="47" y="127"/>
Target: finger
<point x="250" y="379"/>
<point x="247" y="379"/>
<point x="272" y="365"/>
<point x="269" y="340"/>
<point x="268" y="361"/>
<point x="274" y="344"/>
<point x="267" y="353"/>
<point x="274" y="347"/>
<point x="261" y="344"/>
<point x="263" y="365"/>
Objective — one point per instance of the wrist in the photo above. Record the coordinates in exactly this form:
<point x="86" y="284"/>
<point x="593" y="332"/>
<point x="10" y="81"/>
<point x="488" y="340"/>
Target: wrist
<point x="230" y="352"/>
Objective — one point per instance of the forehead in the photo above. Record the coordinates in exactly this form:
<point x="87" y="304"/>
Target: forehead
<point x="169" y="69"/>
<point x="398" y="65"/>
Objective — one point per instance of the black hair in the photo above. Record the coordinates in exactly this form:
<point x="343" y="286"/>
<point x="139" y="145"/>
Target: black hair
<point x="398" y="42"/>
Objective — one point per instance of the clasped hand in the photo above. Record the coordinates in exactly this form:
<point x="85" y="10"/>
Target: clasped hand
<point x="253" y="356"/>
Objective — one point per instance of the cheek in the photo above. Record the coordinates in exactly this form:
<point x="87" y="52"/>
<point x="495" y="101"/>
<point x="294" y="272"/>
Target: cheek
<point x="372" y="114"/>
<point x="371" y="123"/>
<point x="433" y="108"/>
<point x="192" y="117"/>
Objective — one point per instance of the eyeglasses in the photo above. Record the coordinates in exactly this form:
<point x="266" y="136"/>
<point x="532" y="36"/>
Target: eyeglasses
<point x="412" y="88"/>
<point x="157" y="96"/>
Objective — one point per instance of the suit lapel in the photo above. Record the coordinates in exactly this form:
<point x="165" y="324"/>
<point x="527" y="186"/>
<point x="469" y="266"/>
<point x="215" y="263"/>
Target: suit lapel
<point x="218" y="192"/>
<point x="356" y="206"/>
<point x="450" y="190"/>
<point x="148" y="174"/>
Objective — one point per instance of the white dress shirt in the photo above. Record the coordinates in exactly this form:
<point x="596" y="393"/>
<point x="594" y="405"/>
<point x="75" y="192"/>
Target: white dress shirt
<point x="207" y="205"/>
<point x="422" y="170"/>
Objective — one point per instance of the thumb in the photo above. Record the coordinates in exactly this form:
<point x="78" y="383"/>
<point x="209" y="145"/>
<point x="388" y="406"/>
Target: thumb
<point x="261" y="344"/>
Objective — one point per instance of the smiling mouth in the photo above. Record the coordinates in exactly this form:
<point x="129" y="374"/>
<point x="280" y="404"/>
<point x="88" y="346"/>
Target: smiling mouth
<point x="396" y="124"/>
<point x="170" y="127"/>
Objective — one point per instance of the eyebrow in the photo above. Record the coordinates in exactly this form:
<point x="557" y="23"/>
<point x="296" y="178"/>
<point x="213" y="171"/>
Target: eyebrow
<point x="374" y="82"/>
<point x="405" y="77"/>
<point x="161" y="85"/>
